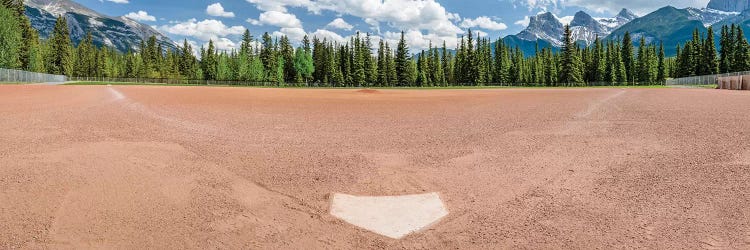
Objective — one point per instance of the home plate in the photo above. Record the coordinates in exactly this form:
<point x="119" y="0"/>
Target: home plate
<point x="391" y="216"/>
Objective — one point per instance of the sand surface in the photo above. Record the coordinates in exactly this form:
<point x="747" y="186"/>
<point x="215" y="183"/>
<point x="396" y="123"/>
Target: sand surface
<point x="203" y="168"/>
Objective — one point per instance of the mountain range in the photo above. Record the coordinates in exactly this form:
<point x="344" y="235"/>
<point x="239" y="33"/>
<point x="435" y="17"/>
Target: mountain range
<point x="669" y="25"/>
<point x="121" y="33"/>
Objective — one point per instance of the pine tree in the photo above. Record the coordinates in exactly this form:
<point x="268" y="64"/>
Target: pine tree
<point x="371" y="67"/>
<point x="209" y="62"/>
<point x="403" y="63"/>
<point x="741" y="58"/>
<point x="627" y="58"/>
<point x="382" y="65"/>
<point x="358" y="62"/>
<point x="61" y="59"/>
<point x="571" y="64"/>
<point x="391" y="63"/>
<point x="661" y="76"/>
<point x="725" y="54"/>
<point x="286" y="51"/>
<point x="446" y="64"/>
<point x="710" y="63"/>
<point x="10" y="39"/>
<point x="268" y="57"/>
<point x="642" y="66"/>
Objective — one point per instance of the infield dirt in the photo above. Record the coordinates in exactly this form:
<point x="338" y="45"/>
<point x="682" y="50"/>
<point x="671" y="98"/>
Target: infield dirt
<point x="201" y="167"/>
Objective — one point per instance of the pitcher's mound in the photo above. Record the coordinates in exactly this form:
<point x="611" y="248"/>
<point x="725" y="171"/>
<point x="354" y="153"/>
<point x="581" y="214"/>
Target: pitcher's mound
<point x="368" y="91"/>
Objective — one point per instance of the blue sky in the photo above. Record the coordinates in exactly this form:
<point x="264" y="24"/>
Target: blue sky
<point x="424" y="20"/>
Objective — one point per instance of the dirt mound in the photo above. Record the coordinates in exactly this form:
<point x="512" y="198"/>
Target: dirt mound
<point x="368" y="91"/>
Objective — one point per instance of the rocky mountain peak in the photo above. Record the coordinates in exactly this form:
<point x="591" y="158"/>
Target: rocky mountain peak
<point x="729" y="5"/>
<point x="626" y="14"/>
<point x="118" y="32"/>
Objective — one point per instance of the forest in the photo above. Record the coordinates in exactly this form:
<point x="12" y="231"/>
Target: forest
<point x="475" y="61"/>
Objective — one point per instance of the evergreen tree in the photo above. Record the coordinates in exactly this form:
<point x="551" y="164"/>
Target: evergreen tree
<point x="60" y="61"/>
<point x="286" y="51"/>
<point x="726" y="54"/>
<point x="571" y="64"/>
<point x="403" y="63"/>
<point x="627" y="58"/>
<point x="661" y="76"/>
<point x="209" y="62"/>
<point x="268" y="57"/>
<point x="10" y="39"/>
<point x="709" y="63"/>
<point x="741" y="59"/>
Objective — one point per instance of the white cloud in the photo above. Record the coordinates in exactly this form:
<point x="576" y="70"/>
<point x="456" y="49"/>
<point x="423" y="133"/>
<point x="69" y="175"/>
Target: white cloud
<point x="224" y="44"/>
<point x="374" y="24"/>
<point x="118" y="1"/>
<point x="479" y="33"/>
<point x="400" y="14"/>
<point x="141" y="16"/>
<point x="295" y="34"/>
<point x="339" y="23"/>
<point x="523" y="22"/>
<point x="218" y="10"/>
<point x="204" y="30"/>
<point x="279" y="19"/>
<point x="415" y="16"/>
<point x="565" y="20"/>
<point x="279" y="5"/>
<point x="484" y="23"/>
<point x="418" y="41"/>
<point x="253" y="21"/>
<point x="328" y="35"/>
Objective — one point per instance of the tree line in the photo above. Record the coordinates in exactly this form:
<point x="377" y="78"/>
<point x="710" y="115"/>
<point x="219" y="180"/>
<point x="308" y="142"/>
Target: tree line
<point x="476" y="61"/>
<point x="699" y="55"/>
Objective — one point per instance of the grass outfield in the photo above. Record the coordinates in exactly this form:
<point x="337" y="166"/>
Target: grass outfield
<point x="450" y="87"/>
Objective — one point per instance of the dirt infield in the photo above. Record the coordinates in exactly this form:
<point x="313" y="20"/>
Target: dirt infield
<point x="200" y="167"/>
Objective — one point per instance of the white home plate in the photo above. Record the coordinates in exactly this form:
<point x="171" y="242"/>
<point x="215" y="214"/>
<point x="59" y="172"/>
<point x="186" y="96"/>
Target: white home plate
<point x="392" y="216"/>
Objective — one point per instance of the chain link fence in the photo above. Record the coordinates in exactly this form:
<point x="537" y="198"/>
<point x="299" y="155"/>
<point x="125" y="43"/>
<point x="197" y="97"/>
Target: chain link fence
<point x="170" y="81"/>
<point x="703" y="80"/>
<point x="20" y="76"/>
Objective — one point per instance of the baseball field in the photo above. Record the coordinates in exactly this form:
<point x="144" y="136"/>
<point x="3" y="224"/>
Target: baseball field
<point x="166" y="167"/>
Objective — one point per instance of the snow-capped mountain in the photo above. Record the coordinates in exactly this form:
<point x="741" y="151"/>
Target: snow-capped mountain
<point x="729" y="5"/>
<point x="622" y="18"/>
<point x="710" y="16"/>
<point x="119" y="32"/>
<point x="585" y="29"/>
<point x="545" y="26"/>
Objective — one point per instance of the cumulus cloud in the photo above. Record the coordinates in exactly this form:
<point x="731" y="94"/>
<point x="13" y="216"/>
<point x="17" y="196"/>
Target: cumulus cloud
<point x="218" y="10"/>
<point x="141" y="16"/>
<point x="484" y="23"/>
<point x="224" y="44"/>
<point x="204" y="30"/>
<point x="294" y="34"/>
<point x="279" y="5"/>
<point x="414" y="16"/>
<point x="480" y="33"/>
<point x="566" y="19"/>
<point x="418" y="41"/>
<point x="328" y="35"/>
<point x="339" y="23"/>
<point x="523" y="22"/>
<point x="279" y="19"/>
